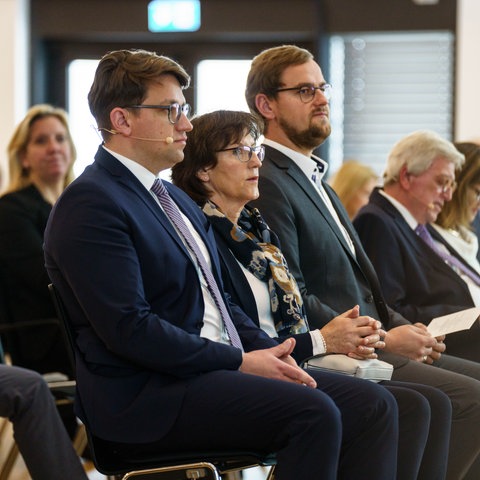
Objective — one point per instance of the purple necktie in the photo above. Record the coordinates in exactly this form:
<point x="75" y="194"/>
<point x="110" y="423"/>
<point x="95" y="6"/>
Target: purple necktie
<point x="175" y="216"/>
<point x="453" y="261"/>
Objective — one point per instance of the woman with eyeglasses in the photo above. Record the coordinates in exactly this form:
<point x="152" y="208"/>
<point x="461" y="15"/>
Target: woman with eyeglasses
<point x="220" y="172"/>
<point x="454" y="222"/>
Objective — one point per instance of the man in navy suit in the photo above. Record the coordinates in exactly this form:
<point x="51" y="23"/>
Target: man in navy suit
<point x="157" y="368"/>
<point x="286" y="87"/>
<point x="419" y="178"/>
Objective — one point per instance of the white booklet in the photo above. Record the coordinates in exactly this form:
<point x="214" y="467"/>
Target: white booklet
<point x="454" y="322"/>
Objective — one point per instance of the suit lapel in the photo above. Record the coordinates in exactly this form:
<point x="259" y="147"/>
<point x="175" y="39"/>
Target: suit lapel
<point x="126" y="178"/>
<point x="413" y="240"/>
<point x="292" y="170"/>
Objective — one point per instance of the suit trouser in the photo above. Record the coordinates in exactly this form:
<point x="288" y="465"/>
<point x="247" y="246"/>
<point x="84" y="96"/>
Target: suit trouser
<point x="38" y="430"/>
<point x="347" y="428"/>
<point x="464" y="393"/>
<point x="425" y="416"/>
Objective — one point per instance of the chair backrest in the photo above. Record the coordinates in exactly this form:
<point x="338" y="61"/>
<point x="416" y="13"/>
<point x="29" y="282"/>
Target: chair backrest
<point x="21" y="337"/>
<point x="65" y="327"/>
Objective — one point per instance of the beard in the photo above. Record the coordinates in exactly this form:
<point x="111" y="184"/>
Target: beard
<point x="310" y="138"/>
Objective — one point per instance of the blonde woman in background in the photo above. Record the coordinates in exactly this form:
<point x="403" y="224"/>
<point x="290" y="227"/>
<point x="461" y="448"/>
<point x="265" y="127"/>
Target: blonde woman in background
<point x="454" y="222"/>
<point x="41" y="156"/>
<point x="353" y="183"/>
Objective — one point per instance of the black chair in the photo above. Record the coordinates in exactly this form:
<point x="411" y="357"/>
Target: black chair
<point x="162" y="466"/>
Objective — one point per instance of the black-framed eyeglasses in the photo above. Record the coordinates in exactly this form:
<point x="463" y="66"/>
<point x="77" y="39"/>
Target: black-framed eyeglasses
<point x="244" y="152"/>
<point x="175" y="110"/>
<point x="307" y="92"/>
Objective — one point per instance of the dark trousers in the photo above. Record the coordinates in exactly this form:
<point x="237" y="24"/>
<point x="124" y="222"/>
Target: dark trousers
<point x="425" y="416"/>
<point x="347" y="428"/>
<point x="38" y="430"/>
<point x="464" y="394"/>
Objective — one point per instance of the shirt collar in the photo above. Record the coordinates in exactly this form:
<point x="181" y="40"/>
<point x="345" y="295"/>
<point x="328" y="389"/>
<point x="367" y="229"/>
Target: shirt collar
<point x="407" y="216"/>
<point x="306" y="164"/>
<point x="144" y="176"/>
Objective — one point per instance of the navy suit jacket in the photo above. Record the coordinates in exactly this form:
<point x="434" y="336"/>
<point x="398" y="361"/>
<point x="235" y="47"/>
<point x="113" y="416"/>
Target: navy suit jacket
<point x="415" y="280"/>
<point x="331" y="279"/>
<point x="135" y="300"/>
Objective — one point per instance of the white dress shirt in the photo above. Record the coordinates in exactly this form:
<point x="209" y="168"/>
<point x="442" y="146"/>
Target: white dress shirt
<point x="213" y="327"/>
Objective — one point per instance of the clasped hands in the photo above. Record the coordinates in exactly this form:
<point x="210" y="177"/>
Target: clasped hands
<point x="354" y="335"/>
<point x="351" y="334"/>
<point x="359" y="336"/>
<point x="415" y="342"/>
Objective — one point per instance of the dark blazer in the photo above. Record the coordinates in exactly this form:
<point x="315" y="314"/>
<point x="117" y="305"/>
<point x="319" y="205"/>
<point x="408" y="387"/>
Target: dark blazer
<point x="138" y="307"/>
<point x="24" y="282"/>
<point x="331" y="279"/>
<point x="236" y="284"/>
<point x="415" y="281"/>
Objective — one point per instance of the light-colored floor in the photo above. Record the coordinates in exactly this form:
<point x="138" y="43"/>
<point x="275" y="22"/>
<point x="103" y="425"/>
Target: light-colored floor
<point x="20" y="472"/>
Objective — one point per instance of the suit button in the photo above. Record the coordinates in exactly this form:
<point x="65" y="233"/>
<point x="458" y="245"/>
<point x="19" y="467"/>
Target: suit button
<point x="369" y="299"/>
<point x="199" y="325"/>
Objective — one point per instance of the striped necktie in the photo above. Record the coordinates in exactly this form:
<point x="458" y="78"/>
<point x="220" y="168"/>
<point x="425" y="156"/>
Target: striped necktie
<point x="175" y="217"/>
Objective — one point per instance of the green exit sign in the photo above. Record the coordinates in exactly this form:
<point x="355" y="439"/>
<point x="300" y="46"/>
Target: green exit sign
<point x="174" y="15"/>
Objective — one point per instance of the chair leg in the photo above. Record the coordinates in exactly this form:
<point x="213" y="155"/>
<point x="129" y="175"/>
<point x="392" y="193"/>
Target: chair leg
<point x="80" y="440"/>
<point x="271" y="473"/>
<point x="9" y="462"/>
<point x="3" y="427"/>
<point x="232" y="476"/>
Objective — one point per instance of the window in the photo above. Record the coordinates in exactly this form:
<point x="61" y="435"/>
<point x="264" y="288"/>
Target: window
<point x="221" y="85"/>
<point x="386" y="86"/>
<point x="82" y="124"/>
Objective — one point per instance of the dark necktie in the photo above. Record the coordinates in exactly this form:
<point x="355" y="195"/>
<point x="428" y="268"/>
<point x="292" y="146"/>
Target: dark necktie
<point x="175" y="216"/>
<point x="453" y="261"/>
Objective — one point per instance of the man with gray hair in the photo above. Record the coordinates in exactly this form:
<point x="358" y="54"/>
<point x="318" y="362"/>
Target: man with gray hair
<point x="422" y="276"/>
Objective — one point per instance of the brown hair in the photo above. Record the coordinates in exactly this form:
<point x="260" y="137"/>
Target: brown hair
<point x="19" y="177"/>
<point x="455" y="213"/>
<point x="122" y="78"/>
<point x="211" y="132"/>
<point x="267" y="68"/>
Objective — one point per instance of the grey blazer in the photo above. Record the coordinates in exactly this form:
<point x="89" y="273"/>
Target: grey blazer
<point x="331" y="279"/>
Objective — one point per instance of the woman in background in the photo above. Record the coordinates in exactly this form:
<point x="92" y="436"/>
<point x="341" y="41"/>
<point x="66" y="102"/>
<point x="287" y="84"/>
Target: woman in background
<point x="41" y="156"/>
<point x="454" y="222"/>
<point x="353" y="183"/>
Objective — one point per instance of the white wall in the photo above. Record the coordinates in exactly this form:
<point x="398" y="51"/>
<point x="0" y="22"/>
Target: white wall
<point x="14" y="38"/>
<point x="467" y="108"/>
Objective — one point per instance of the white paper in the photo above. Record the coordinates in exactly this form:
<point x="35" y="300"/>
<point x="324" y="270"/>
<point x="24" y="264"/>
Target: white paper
<point x="453" y="322"/>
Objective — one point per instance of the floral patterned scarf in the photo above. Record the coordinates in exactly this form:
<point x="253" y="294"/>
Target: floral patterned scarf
<point x="255" y="246"/>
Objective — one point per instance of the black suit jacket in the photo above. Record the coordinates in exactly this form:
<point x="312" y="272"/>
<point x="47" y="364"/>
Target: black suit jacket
<point x="331" y="279"/>
<point x="415" y="281"/>
<point x="24" y="282"/>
